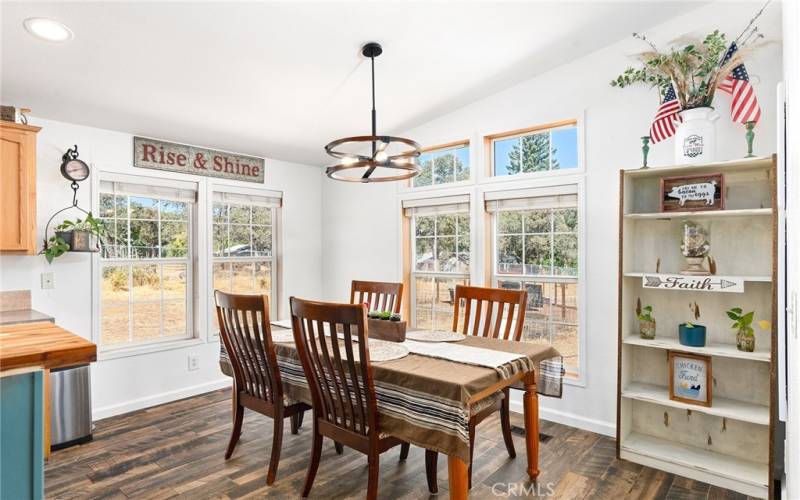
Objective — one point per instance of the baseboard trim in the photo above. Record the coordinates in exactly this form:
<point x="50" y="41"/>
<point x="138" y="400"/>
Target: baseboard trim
<point x="164" y="397"/>
<point x="569" y="419"/>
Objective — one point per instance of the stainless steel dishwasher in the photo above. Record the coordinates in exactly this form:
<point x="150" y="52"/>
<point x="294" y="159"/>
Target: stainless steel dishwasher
<point x="70" y="406"/>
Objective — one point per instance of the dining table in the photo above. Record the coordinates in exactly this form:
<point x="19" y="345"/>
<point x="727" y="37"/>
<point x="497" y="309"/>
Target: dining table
<point x="426" y="400"/>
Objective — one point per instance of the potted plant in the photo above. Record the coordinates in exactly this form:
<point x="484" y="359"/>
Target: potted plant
<point x="56" y="247"/>
<point x="692" y="71"/>
<point x="691" y="334"/>
<point x="745" y="335"/>
<point x="647" y="323"/>
<point x="82" y="235"/>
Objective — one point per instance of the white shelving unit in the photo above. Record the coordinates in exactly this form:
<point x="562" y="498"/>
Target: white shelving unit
<point x="730" y="443"/>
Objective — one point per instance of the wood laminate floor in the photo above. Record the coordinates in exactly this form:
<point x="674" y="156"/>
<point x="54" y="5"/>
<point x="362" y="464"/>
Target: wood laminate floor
<point x="176" y="451"/>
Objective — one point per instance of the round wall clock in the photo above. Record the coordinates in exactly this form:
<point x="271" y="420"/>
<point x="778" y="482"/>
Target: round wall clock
<point x="72" y="168"/>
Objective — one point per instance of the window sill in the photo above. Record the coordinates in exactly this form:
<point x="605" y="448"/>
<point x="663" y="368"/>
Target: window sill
<point x="140" y="350"/>
<point x="548" y="174"/>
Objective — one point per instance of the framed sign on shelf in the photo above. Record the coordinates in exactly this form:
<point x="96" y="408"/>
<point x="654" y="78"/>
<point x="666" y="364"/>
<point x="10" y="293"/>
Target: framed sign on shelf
<point x="693" y="193"/>
<point x="689" y="378"/>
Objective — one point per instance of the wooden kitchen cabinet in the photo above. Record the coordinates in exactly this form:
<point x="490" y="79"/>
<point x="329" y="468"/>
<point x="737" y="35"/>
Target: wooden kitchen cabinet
<point x="18" y="188"/>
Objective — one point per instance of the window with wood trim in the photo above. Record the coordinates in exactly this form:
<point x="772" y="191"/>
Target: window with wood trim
<point x="536" y="241"/>
<point x="537" y="149"/>
<point x="146" y="263"/>
<point x="440" y="257"/>
<point x="443" y="165"/>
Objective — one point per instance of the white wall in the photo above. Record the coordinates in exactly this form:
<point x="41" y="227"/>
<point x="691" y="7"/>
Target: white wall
<point x="126" y="383"/>
<point x="360" y="222"/>
<point x="791" y="22"/>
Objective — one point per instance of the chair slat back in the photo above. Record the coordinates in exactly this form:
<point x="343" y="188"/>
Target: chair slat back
<point x="245" y="330"/>
<point x="339" y="376"/>
<point x="380" y="296"/>
<point x="490" y="312"/>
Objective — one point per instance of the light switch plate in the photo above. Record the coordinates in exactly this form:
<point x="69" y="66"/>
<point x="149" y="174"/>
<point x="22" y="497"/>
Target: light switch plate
<point x="194" y="363"/>
<point x="48" y="281"/>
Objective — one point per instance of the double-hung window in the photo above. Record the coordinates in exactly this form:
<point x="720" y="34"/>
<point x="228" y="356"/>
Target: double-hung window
<point x="440" y="257"/>
<point x="443" y="165"/>
<point x="536" y="241"/>
<point x="146" y="262"/>
<point x="243" y="244"/>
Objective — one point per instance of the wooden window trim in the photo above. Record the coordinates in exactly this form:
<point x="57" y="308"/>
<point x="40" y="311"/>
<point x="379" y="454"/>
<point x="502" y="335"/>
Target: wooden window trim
<point x="491" y="138"/>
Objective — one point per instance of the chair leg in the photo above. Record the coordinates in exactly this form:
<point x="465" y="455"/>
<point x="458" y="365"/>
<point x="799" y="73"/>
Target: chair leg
<point x="300" y="418"/>
<point x="339" y="447"/>
<point x="505" y="422"/>
<point x="404" y="448"/>
<point x="471" y="449"/>
<point x="275" y="456"/>
<point x="238" y="415"/>
<point x="372" y="482"/>
<point x="431" y="459"/>
<point x="313" y="464"/>
<point x="295" y="422"/>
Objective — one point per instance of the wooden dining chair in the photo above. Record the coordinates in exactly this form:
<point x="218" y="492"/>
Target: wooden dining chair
<point x="340" y="380"/>
<point x="496" y="313"/>
<point x="245" y="330"/>
<point x="379" y="295"/>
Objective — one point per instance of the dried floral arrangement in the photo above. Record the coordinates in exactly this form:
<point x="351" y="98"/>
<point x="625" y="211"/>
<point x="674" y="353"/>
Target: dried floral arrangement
<point x="694" y="67"/>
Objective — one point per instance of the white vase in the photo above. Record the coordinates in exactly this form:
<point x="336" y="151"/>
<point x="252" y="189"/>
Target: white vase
<point x="696" y="136"/>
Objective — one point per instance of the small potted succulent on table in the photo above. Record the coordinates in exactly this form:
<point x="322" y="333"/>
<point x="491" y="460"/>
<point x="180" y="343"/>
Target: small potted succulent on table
<point x="691" y="334"/>
<point x="386" y="325"/>
<point x="647" y="323"/>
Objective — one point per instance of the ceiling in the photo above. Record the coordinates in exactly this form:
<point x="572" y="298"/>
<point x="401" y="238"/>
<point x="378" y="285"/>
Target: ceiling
<point x="282" y="79"/>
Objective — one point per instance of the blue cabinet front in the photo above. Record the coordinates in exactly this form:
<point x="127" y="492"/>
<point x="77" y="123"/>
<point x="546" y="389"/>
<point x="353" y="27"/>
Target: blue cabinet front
<point x="21" y="436"/>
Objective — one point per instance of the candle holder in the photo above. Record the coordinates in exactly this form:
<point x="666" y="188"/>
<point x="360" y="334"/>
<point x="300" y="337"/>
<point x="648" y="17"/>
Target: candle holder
<point x="749" y="136"/>
<point x="645" y="150"/>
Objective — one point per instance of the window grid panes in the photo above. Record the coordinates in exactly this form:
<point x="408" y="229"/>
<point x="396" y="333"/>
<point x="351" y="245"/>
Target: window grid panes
<point x="441" y="256"/>
<point x="443" y="166"/>
<point x="537" y="250"/>
<point x="242" y="245"/>
<point x="540" y="151"/>
<point x="146" y="270"/>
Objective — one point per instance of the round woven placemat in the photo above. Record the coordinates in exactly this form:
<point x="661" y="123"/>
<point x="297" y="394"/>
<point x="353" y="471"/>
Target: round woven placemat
<point x="383" y="350"/>
<point x="434" y="336"/>
<point x="283" y="336"/>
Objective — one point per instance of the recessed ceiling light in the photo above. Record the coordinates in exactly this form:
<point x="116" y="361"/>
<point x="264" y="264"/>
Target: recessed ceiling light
<point x="46" y="29"/>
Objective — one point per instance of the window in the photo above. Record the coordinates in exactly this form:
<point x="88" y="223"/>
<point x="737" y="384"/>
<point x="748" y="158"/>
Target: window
<point x="146" y="263"/>
<point x="540" y="149"/>
<point x="536" y="249"/>
<point x="443" y="165"/>
<point x="440" y="257"/>
<point x="244" y="244"/>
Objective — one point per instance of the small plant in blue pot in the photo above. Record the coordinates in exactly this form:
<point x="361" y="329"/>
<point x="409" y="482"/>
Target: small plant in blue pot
<point x="691" y="334"/>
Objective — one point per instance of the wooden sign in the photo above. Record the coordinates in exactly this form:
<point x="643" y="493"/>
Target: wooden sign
<point x="731" y="284"/>
<point x="161" y="155"/>
<point x="692" y="193"/>
<point x="690" y="378"/>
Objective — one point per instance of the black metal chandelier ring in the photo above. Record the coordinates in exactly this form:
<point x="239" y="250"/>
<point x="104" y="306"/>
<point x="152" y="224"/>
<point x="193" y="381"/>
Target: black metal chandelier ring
<point x="335" y="171"/>
<point x="330" y="148"/>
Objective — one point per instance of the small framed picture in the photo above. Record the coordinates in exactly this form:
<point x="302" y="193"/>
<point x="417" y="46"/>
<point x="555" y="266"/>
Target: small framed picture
<point x="693" y="193"/>
<point x="690" y="378"/>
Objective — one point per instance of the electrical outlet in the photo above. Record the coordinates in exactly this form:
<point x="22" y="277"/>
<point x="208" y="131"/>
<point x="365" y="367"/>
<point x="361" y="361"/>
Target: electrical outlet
<point x="48" y="281"/>
<point x="194" y="363"/>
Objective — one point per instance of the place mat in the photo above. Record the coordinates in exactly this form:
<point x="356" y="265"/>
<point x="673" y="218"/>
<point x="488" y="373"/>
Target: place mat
<point x="383" y="350"/>
<point x="505" y="363"/>
<point x="435" y="336"/>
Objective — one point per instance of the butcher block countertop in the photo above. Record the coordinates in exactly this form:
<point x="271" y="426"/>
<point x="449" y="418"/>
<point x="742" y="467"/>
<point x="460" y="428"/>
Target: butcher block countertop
<point x="42" y="344"/>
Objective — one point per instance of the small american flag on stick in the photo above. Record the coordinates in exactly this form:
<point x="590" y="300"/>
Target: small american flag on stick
<point x="663" y="125"/>
<point x="744" y="105"/>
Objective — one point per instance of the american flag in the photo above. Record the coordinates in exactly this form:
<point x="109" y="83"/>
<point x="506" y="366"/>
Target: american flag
<point x="663" y="125"/>
<point x="744" y="105"/>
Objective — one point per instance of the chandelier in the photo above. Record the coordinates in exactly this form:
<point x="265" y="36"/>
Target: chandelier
<point x="392" y="158"/>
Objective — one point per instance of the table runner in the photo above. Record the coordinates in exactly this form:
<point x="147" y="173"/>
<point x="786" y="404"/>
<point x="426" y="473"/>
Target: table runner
<point x="422" y="400"/>
<point x="506" y="363"/>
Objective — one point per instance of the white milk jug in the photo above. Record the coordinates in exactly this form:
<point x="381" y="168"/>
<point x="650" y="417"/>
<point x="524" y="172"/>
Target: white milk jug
<point x="696" y="137"/>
